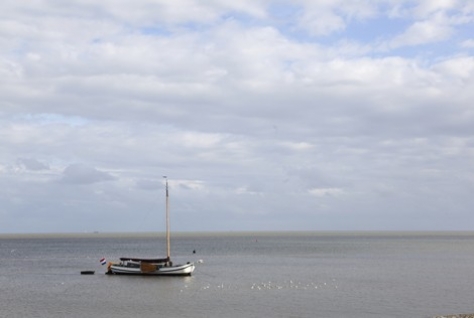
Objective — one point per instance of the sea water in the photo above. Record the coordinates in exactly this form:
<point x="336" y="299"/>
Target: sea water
<point x="331" y="274"/>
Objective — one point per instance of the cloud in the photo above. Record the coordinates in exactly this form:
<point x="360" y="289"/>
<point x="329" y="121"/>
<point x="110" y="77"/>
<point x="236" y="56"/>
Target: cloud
<point x="320" y="192"/>
<point x="32" y="164"/>
<point x="423" y="32"/>
<point x="252" y="109"/>
<point x="433" y="21"/>
<point x="323" y="18"/>
<point x="468" y="43"/>
<point x="84" y="174"/>
<point x="148" y="184"/>
<point x="426" y="7"/>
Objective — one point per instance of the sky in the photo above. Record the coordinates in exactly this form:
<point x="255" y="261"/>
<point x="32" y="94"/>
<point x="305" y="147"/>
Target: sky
<point x="264" y="115"/>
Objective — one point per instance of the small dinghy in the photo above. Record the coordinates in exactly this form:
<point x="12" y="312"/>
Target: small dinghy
<point x="87" y="272"/>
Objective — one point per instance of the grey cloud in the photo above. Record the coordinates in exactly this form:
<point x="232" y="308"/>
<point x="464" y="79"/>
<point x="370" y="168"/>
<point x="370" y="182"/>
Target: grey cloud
<point x="84" y="174"/>
<point x="32" y="164"/>
<point x="250" y="119"/>
<point x="149" y="184"/>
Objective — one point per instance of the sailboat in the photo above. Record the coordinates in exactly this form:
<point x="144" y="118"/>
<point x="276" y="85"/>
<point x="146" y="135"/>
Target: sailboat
<point x="152" y="266"/>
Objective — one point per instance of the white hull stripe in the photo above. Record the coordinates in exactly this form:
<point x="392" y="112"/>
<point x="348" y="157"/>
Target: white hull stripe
<point x="178" y="270"/>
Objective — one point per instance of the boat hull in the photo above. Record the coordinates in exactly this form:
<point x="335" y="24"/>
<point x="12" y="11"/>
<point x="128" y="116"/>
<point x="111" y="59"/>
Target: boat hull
<point x="156" y="270"/>
<point x="152" y="266"/>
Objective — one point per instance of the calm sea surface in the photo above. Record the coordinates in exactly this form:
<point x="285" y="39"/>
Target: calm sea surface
<point x="242" y="275"/>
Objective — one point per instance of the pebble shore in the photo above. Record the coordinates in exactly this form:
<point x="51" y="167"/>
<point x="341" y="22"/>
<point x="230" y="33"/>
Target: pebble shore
<point x="465" y="315"/>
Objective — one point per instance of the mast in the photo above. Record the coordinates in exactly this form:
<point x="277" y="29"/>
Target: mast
<point x="167" y="221"/>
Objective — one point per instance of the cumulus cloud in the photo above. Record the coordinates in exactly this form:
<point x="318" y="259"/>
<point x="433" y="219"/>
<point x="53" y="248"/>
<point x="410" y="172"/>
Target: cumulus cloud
<point x="468" y="44"/>
<point x="252" y="109"/>
<point x="32" y="164"/>
<point x="423" y="32"/>
<point x="84" y="174"/>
